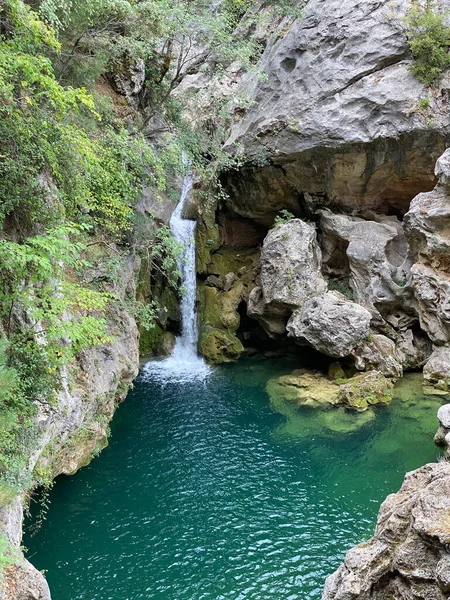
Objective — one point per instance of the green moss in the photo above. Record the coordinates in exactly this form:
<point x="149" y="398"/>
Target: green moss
<point x="219" y="346"/>
<point x="336" y="372"/>
<point x="150" y="341"/>
<point x="242" y="263"/>
<point x="207" y="238"/>
<point x="219" y="309"/>
<point x="304" y="388"/>
<point x="366" y="389"/>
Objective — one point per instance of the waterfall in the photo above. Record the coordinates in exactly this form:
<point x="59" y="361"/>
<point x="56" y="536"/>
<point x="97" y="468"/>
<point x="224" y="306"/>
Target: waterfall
<point x="184" y="363"/>
<point x="183" y="231"/>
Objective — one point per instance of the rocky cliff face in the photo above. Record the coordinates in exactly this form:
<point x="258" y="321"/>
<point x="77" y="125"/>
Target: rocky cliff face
<point x="337" y="118"/>
<point x="336" y="133"/>
<point x="74" y="429"/>
<point x="408" y="557"/>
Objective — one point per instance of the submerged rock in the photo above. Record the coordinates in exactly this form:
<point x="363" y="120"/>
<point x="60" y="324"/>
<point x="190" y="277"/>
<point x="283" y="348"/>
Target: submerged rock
<point x="331" y="324"/>
<point x="366" y="389"/>
<point x="309" y="388"/>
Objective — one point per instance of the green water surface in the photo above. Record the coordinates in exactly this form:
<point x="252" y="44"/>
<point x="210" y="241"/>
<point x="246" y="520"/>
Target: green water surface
<point x="208" y="491"/>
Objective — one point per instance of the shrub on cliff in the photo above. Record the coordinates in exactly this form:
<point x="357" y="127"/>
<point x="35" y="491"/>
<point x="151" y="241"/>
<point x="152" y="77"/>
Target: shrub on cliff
<point x="428" y="34"/>
<point x="64" y="178"/>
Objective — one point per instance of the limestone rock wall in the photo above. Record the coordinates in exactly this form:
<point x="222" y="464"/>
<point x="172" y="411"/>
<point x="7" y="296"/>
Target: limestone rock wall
<point x="74" y="429"/>
<point x="336" y="120"/>
<point x="408" y="557"/>
<point x="334" y="132"/>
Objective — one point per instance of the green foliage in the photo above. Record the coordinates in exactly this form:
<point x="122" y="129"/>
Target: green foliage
<point x="102" y="35"/>
<point x="70" y="170"/>
<point x="9" y="555"/>
<point x="161" y="251"/>
<point x="341" y="285"/>
<point x="284" y="216"/>
<point x="8" y="376"/>
<point x="57" y="308"/>
<point x="146" y="314"/>
<point x="17" y="431"/>
<point x="428" y="34"/>
<point x="51" y="137"/>
<point x="424" y="103"/>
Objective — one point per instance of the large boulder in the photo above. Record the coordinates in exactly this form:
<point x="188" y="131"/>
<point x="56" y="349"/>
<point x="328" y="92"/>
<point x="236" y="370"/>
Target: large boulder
<point x="379" y="354"/>
<point x="272" y="319"/>
<point x="443" y="431"/>
<point x="408" y="556"/>
<point x="412" y="349"/>
<point x="437" y="369"/>
<point x="432" y="292"/>
<point x="331" y="324"/>
<point x="291" y="265"/>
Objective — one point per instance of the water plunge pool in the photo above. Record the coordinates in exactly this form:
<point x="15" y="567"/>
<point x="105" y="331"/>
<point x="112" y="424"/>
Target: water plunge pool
<point x="208" y="491"/>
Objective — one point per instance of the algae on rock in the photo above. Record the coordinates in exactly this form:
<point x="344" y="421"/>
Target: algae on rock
<point x="366" y="389"/>
<point x="304" y="387"/>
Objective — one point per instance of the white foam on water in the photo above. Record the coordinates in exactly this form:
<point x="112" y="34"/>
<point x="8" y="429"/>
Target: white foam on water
<point x="184" y="364"/>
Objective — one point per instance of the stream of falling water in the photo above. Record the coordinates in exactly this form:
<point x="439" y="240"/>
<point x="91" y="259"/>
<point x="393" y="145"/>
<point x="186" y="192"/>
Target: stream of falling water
<point x="184" y="363"/>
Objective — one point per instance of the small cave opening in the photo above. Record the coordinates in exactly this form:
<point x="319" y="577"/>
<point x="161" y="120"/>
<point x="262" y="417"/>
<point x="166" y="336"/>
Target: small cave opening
<point x="250" y="333"/>
<point x="258" y="343"/>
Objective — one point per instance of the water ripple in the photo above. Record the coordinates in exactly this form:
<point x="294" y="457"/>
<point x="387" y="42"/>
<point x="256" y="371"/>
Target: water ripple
<point x="206" y="494"/>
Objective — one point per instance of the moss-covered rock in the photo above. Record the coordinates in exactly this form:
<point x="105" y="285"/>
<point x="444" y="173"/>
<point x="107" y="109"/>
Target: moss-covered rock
<point x="219" y="309"/>
<point x="149" y="340"/>
<point x="366" y="389"/>
<point x="244" y="263"/>
<point x="155" y="342"/>
<point x="207" y="237"/>
<point x="303" y="387"/>
<point x="336" y="372"/>
<point x="218" y="345"/>
<point x="218" y="322"/>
